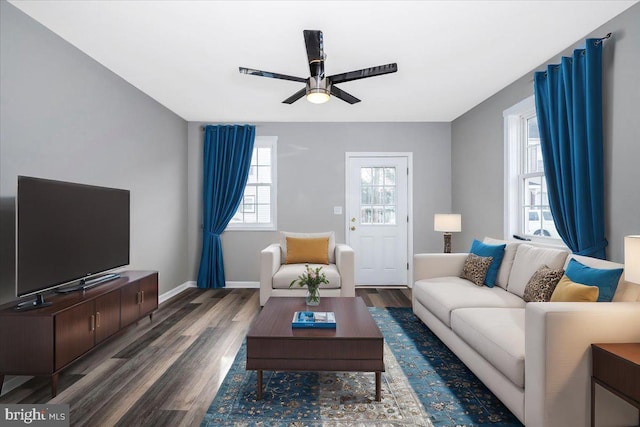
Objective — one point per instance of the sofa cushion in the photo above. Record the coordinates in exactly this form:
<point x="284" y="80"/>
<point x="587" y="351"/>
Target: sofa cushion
<point x="301" y="250"/>
<point x="475" y="268"/>
<point x="287" y="273"/>
<point x="502" y="279"/>
<point x="330" y="234"/>
<point x="497" y="334"/>
<point x="529" y="259"/>
<point x="496" y="252"/>
<point x="606" y="279"/>
<point x="443" y="294"/>
<point x="625" y="291"/>
<point x="568" y="291"/>
<point x="542" y="284"/>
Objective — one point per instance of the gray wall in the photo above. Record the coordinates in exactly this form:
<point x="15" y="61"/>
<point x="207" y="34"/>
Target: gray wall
<point x="478" y="140"/>
<point x="64" y="116"/>
<point x="311" y="181"/>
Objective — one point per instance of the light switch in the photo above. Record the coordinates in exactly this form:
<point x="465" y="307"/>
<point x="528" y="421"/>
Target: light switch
<point x="337" y="210"/>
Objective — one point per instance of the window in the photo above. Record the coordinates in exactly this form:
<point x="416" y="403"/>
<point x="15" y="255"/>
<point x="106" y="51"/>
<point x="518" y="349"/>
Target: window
<point x="527" y="211"/>
<point x="257" y="210"/>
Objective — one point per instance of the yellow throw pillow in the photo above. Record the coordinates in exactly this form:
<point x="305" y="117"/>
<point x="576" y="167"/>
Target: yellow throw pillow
<point x="568" y="291"/>
<point x="311" y="250"/>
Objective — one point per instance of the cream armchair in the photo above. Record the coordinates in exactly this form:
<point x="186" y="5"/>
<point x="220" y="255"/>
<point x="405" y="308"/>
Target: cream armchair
<point x="275" y="275"/>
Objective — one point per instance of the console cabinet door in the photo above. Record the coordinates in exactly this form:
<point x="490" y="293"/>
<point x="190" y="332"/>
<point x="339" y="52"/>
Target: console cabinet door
<point x="149" y="294"/>
<point x="130" y="295"/>
<point x="74" y="333"/>
<point x="107" y="315"/>
<point x="26" y="344"/>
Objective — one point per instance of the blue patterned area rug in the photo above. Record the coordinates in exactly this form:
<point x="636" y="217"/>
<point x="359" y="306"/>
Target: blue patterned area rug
<point x="424" y="385"/>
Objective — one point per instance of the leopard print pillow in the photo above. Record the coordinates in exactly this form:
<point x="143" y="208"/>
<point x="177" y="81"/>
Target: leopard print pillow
<point x="542" y="284"/>
<point x="475" y="268"/>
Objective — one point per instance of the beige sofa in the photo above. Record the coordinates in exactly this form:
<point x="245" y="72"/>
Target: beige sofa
<point x="275" y="275"/>
<point x="535" y="357"/>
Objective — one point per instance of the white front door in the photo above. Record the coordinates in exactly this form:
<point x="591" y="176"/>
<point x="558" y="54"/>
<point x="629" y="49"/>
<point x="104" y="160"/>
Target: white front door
<point x="377" y="217"/>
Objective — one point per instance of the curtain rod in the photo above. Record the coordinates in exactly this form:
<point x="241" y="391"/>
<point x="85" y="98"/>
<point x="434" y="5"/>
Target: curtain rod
<point x="600" y="40"/>
<point x="204" y="126"/>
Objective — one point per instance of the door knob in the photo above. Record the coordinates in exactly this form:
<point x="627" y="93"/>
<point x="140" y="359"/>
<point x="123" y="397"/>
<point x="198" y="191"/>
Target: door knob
<point x="353" y="228"/>
<point x="353" y="219"/>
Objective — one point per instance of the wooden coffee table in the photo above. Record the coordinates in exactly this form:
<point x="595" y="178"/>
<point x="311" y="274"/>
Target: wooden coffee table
<point x="355" y="345"/>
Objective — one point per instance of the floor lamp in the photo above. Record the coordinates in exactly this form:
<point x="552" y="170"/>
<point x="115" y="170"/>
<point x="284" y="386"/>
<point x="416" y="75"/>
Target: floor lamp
<point x="447" y="223"/>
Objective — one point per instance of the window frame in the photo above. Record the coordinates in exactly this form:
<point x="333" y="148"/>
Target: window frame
<point x="272" y="143"/>
<point x="515" y="134"/>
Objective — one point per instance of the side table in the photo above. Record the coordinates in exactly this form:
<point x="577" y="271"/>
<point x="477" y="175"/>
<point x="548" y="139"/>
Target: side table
<point x="616" y="367"/>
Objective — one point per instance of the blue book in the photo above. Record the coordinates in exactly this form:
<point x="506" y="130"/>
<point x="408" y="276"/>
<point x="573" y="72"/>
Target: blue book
<point x="314" y="319"/>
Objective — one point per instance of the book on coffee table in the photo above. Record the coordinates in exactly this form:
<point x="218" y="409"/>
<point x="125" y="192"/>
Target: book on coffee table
<point x="313" y="319"/>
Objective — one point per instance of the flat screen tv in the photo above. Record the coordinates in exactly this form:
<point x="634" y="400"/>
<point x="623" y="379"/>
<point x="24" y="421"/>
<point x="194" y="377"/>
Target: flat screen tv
<point x="68" y="231"/>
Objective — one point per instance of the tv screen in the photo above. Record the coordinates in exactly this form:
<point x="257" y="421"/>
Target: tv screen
<point x="68" y="231"/>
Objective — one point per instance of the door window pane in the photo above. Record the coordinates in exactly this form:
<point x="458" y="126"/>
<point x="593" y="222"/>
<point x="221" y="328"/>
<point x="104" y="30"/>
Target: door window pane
<point x="390" y="176"/>
<point x="365" y="176"/>
<point x="366" y="215"/>
<point x="378" y="176"/>
<point x="390" y="196"/>
<point x="390" y="215"/>
<point x="378" y="195"/>
<point x="366" y="196"/>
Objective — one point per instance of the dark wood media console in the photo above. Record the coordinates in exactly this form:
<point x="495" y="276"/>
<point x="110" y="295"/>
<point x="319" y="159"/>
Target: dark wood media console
<point x="46" y="340"/>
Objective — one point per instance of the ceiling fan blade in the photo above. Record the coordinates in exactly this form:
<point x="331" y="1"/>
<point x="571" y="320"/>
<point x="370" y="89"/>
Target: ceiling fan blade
<point x="315" y="52"/>
<point x="364" y="73"/>
<point x="271" y="75"/>
<point x="293" y="98"/>
<point x="347" y="97"/>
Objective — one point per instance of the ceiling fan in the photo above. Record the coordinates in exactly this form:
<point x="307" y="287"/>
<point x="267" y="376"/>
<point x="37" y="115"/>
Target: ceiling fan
<point x="318" y="86"/>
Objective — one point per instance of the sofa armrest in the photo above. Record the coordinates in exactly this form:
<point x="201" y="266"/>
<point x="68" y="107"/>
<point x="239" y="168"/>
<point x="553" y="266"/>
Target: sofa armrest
<point x="428" y="266"/>
<point x="269" y="265"/>
<point x="558" y="337"/>
<point x="345" y="263"/>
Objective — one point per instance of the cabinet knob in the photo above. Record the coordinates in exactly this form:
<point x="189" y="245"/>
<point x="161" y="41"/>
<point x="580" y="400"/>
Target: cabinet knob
<point x="98" y="319"/>
<point x="92" y="323"/>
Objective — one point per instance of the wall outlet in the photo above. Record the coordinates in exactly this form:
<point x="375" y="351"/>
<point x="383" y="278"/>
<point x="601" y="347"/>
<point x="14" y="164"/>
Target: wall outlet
<point x="337" y="210"/>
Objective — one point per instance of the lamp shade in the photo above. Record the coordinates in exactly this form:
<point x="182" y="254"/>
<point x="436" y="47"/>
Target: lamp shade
<point x="632" y="259"/>
<point x="448" y="223"/>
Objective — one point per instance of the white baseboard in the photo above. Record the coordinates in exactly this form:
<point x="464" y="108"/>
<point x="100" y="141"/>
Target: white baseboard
<point x="175" y="291"/>
<point x="242" y="285"/>
<point x="193" y="284"/>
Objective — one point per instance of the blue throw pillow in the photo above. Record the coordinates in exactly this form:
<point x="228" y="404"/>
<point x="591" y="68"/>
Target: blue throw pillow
<point x="605" y="279"/>
<point x="495" y="251"/>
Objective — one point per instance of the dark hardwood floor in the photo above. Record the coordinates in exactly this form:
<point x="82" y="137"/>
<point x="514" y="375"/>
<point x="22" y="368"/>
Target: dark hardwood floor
<point x="165" y="372"/>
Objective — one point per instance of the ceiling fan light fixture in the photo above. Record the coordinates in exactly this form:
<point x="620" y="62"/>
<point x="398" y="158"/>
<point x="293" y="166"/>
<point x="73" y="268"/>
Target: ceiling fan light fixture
<point x="318" y="90"/>
<point x="318" y="96"/>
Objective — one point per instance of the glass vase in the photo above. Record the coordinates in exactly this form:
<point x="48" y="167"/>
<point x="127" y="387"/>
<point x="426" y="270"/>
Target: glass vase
<point x="313" y="296"/>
